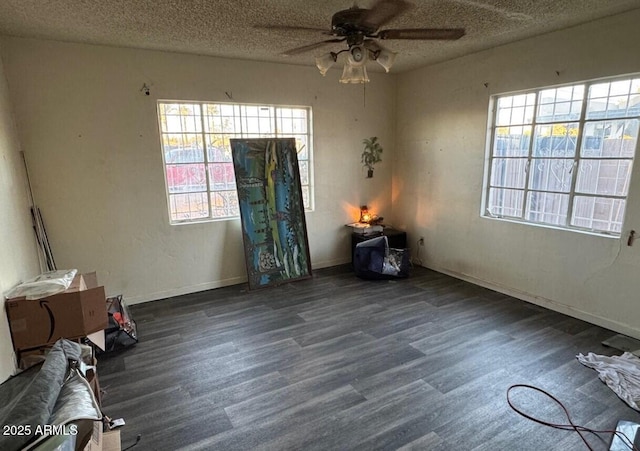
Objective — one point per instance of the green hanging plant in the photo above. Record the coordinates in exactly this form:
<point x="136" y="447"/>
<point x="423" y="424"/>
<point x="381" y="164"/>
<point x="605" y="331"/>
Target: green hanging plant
<point x="371" y="154"/>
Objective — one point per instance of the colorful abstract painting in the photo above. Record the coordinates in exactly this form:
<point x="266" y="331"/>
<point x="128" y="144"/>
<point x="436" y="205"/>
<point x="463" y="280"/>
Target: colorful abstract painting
<point x="271" y="210"/>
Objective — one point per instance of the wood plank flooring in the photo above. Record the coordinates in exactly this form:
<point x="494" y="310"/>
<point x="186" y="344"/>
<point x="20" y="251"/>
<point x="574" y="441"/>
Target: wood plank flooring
<point x="339" y="363"/>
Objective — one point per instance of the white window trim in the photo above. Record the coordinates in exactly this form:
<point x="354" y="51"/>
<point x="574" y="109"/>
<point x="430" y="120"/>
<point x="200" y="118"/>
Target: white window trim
<point x="490" y="141"/>
<point x="210" y="218"/>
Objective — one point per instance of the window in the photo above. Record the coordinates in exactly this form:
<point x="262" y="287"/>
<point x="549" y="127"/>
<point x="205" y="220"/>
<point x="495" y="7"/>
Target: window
<point x="199" y="173"/>
<point x="563" y="156"/>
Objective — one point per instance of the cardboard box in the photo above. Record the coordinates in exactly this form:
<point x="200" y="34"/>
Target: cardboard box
<point x="74" y="313"/>
<point x="103" y="441"/>
<point x="111" y="441"/>
<point x="95" y="442"/>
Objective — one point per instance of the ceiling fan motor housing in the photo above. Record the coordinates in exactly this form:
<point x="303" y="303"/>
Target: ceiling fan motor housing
<point x="349" y="22"/>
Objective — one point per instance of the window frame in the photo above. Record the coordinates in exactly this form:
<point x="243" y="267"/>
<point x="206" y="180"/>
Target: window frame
<point x="582" y="122"/>
<point x="239" y="117"/>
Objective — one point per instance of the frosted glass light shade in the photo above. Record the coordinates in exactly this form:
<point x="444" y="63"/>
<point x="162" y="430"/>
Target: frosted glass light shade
<point x="324" y="62"/>
<point x="354" y="74"/>
<point x="385" y="58"/>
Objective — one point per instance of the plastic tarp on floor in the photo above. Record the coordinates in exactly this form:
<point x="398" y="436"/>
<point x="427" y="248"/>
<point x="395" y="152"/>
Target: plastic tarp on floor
<point x="53" y="393"/>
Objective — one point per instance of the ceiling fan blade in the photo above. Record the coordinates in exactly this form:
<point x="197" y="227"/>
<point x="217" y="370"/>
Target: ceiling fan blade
<point x="292" y="28"/>
<point x="422" y="33"/>
<point x="306" y="48"/>
<point x="382" y="12"/>
<point x="374" y="45"/>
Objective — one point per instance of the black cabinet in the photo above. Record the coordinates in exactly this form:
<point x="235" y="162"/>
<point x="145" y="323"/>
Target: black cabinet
<point x="397" y="238"/>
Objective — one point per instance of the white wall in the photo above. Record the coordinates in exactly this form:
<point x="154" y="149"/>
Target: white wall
<point x="438" y="175"/>
<point x="17" y="243"/>
<point x="91" y="137"/>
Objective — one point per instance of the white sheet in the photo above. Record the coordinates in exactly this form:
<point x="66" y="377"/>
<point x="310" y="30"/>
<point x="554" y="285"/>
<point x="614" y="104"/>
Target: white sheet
<point x="620" y="373"/>
<point x="46" y="284"/>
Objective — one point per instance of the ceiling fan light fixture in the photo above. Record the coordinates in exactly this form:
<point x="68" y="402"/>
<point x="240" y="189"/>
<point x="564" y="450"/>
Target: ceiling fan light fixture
<point x="357" y="55"/>
<point x="385" y="58"/>
<point x="324" y="62"/>
<point x="360" y="29"/>
<point x="354" y="74"/>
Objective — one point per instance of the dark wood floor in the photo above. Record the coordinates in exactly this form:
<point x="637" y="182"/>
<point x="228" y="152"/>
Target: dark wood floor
<point x="339" y="363"/>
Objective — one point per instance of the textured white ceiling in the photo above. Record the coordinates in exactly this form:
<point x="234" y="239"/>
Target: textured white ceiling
<point x="227" y="27"/>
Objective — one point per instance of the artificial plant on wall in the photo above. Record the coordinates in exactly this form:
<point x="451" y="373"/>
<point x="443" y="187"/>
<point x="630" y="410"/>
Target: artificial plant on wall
<point x="371" y="154"/>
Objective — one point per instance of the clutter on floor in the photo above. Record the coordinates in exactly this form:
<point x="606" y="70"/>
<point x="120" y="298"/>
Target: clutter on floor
<point x="374" y="259"/>
<point x="626" y="436"/>
<point x="54" y="305"/>
<point x="50" y="401"/>
<point x="620" y="373"/>
<point x="122" y="331"/>
<point x="59" y="321"/>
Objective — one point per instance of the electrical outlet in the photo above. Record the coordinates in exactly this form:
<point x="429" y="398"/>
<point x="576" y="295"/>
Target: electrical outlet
<point x="421" y="241"/>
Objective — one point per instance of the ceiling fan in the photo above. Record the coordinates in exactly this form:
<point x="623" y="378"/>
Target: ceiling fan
<point x="360" y="28"/>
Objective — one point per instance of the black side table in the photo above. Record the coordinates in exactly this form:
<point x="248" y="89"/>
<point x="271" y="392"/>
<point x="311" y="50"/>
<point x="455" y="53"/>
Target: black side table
<point x="397" y="238"/>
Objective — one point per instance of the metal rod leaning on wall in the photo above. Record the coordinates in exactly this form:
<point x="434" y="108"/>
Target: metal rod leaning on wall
<point x="42" y="239"/>
<point x="51" y="263"/>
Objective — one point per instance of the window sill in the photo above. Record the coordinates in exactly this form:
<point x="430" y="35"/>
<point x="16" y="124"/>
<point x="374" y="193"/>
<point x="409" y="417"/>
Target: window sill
<point x="552" y="227"/>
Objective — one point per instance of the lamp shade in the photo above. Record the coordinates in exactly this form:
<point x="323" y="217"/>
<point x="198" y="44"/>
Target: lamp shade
<point x="385" y="58"/>
<point x="355" y="70"/>
<point x="354" y="74"/>
<point x="324" y="62"/>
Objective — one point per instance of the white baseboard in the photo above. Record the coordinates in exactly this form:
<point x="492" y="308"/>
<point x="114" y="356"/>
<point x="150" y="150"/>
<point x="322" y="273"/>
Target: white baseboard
<point x="330" y="263"/>
<point x="185" y="290"/>
<point x="607" y="323"/>
<point x="215" y="284"/>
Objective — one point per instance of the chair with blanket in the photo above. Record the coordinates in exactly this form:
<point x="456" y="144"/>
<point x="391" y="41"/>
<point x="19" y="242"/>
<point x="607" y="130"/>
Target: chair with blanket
<point x="374" y="259"/>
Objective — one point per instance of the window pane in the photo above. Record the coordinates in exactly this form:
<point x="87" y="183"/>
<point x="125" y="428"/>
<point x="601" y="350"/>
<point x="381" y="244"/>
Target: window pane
<point x="222" y="176"/>
<point x="299" y="125"/>
<point x="258" y="120"/>
<point x="184" y="155"/>
<point x="512" y="141"/>
<point x="181" y="118"/>
<point x="505" y="202"/>
<point x="597" y="213"/>
<point x="621" y="87"/>
<point x="303" y="166"/>
<point x="182" y="148"/>
<point x="560" y="104"/>
<point x="610" y="138"/>
<point x="539" y="175"/>
<point x="515" y="110"/>
<point x="508" y="172"/>
<point x="218" y="148"/>
<point x="186" y="178"/>
<point x="551" y="175"/>
<point x="224" y="204"/>
<point x="306" y="198"/>
<point x="188" y="206"/>
<point x="614" y="99"/>
<point x="547" y="208"/>
<point x="291" y="121"/>
<point x="607" y="177"/>
<point x="556" y="140"/>
<point x="187" y="129"/>
<point x="302" y="148"/>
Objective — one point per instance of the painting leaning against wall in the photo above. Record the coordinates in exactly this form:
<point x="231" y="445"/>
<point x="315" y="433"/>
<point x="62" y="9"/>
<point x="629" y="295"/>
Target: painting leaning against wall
<point x="271" y="210"/>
